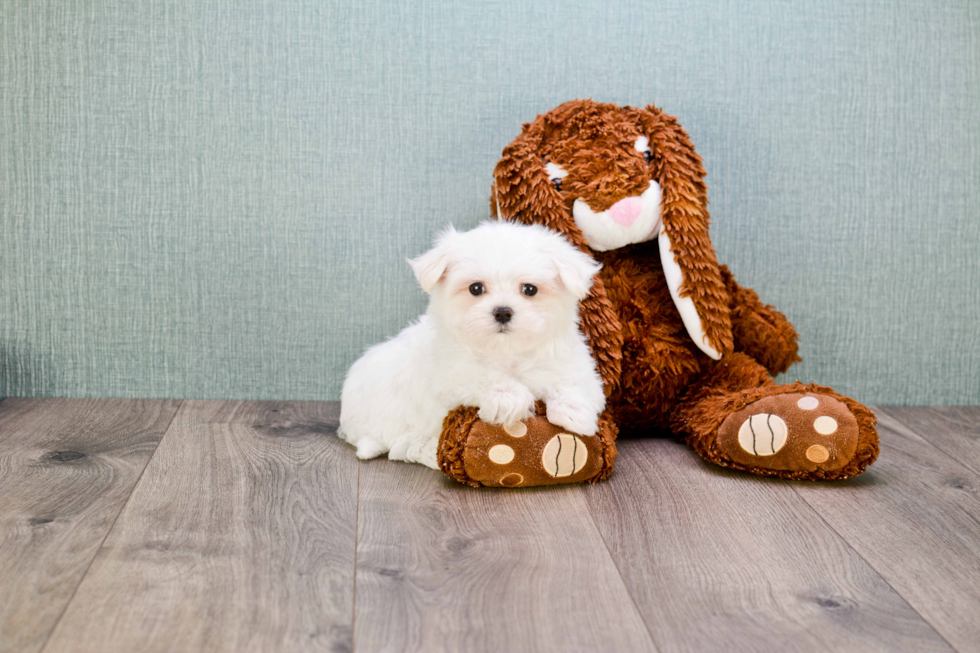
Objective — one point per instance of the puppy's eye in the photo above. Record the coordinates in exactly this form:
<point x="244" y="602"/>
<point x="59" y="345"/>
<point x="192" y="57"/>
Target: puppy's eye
<point x="529" y="290"/>
<point x="477" y="289"/>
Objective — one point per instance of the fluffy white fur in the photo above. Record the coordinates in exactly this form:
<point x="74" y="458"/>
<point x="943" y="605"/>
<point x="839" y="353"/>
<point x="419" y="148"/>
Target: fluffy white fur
<point x="396" y="396"/>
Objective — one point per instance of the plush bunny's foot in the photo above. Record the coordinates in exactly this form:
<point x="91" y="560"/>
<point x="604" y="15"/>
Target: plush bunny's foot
<point x="801" y="432"/>
<point x="526" y="453"/>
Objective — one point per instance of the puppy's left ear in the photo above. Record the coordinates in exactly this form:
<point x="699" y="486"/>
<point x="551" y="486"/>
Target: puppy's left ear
<point x="430" y="267"/>
<point x="575" y="268"/>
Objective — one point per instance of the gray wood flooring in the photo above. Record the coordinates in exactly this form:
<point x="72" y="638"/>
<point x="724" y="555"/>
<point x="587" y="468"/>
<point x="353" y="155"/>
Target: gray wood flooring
<point x="153" y="525"/>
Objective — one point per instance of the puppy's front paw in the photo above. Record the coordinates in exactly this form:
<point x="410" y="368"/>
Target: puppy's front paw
<point x="507" y="406"/>
<point x="574" y="416"/>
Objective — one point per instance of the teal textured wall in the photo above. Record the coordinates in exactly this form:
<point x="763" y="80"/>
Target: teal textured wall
<point x="210" y="199"/>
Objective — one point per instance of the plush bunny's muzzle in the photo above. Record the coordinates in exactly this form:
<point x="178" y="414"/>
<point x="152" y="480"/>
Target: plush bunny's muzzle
<point x="630" y="220"/>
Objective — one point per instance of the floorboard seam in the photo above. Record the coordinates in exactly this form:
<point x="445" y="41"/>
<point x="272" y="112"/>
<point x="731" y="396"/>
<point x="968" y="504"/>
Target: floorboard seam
<point x="873" y="568"/>
<point x="357" y="533"/>
<point x="180" y="404"/>
<point x="927" y="440"/>
<point x="924" y="440"/>
<point x="619" y="572"/>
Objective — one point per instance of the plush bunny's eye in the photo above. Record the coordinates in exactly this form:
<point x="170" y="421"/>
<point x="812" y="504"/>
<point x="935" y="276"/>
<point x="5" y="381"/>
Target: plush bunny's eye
<point x="642" y="146"/>
<point x="555" y="173"/>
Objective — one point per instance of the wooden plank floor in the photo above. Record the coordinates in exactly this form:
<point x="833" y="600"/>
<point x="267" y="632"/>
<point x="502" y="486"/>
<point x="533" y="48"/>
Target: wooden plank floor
<point x="67" y="467"/>
<point x="132" y="525"/>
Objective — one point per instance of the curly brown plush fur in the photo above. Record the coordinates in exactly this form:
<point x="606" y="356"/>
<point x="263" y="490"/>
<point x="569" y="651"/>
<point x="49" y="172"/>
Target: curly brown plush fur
<point x="655" y="375"/>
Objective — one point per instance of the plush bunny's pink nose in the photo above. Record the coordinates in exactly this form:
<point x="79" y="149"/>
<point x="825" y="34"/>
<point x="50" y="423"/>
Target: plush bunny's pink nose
<point x="626" y="210"/>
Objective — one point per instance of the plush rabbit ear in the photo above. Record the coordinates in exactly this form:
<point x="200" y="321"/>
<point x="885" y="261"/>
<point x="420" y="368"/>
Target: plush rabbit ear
<point x="522" y="192"/>
<point x="430" y="267"/>
<point x="688" y="258"/>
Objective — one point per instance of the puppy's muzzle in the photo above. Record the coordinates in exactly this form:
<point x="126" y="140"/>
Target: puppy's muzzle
<point x="503" y="314"/>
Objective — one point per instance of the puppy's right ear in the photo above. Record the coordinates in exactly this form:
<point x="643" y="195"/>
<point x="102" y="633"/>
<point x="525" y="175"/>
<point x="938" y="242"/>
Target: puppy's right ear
<point x="430" y="267"/>
<point x="575" y="268"/>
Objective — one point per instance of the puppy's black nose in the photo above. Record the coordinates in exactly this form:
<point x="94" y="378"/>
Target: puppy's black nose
<point x="503" y="314"/>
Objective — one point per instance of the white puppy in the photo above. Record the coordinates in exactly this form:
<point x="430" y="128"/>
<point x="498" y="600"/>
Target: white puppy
<point x="501" y="331"/>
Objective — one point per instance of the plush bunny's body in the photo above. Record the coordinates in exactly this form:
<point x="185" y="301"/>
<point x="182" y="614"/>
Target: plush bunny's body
<point x="679" y="344"/>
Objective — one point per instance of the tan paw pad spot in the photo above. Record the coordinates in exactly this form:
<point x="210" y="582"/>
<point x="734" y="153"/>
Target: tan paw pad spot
<point x="817" y="454"/>
<point x="516" y="430"/>
<point x="763" y="434"/>
<point x="511" y="480"/>
<point x="501" y="454"/>
<point x="825" y="425"/>
<point x="807" y="403"/>
<point x="564" y="455"/>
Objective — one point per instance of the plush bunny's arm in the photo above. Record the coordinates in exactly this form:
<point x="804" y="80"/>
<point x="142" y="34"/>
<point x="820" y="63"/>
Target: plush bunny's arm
<point x="759" y="329"/>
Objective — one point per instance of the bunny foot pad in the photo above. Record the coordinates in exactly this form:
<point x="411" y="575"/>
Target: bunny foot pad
<point x="801" y="432"/>
<point x="528" y="453"/>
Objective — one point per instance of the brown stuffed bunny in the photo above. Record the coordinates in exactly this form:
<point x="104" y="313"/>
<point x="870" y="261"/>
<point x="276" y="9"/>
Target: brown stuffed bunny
<point x="679" y="344"/>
